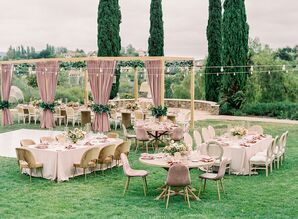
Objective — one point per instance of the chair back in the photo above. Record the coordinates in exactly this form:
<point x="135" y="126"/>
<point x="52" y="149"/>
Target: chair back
<point x="20" y="154"/>
<point x="124" y="130"/>
<point x="222" y="169"/>
<point x="29" y="158"/>
<point x="57" y="111"/>
<point x="46" y="139"/>
<point x="215" y="150"/>
<point x="141" y="134"/>
<point x="187" y="116"/>
<point x="255" y="129"/>
<point x="139" y="115"/>
<point x="188" y="140"/>
<point x="89" y="155"/>
<point x="27" y="142"/>
<point x="60" y="138"/>
<point x="198" y="138"/>
<point x="107" y="151"/>
<point x="178" y="175"/>
<point x="122" y="148"/>
<point x="126" y="168"/>
<point x="206" y="135"/>
<point x="113" y="135"/>
<point x="270" y="149"/>
<point x="31" y="110"/>
<point x="211" y="131"/>
<point x="70" y="112"/>
<point x="285" y="139"/>
<point x="20" y="110"/>
<point x="177" y="134"/>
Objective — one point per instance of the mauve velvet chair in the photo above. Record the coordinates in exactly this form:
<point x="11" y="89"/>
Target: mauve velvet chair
<point x="178" y="176"/>
<point x="142" y="135"/>
<point x="129" y="172"/>
<point x="217" y="177"/>
<point x="177" y="134"/>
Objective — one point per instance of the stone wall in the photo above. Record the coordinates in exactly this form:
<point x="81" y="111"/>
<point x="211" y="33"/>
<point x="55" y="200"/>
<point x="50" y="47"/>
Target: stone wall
<point x="201" y="105"/>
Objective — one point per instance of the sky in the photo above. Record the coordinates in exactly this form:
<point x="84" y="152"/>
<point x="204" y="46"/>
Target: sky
<point x="73" y="24"/>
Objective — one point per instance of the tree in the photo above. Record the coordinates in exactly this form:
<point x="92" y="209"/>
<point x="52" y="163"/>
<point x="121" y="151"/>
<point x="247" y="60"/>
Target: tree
<point x="156" y="38"/>
<point x="212" y="81"/>
<point x="235" y="53"/>
<point x="108" y="38"/>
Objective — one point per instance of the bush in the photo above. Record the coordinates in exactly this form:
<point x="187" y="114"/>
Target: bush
<point x="72" y="94"/>
<point x="281" y="110"/>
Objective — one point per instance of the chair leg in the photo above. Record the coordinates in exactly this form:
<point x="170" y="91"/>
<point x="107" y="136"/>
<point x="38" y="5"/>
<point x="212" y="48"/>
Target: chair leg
<point x="144" y="185"/>
<point x="168" y="196"/>
<point x="126" y="185"/>
<point x="266" y="170"/>
<point x="74" y="171"/>
<point x="249" y="169"/>
<point x="201" y="185"/>
<point x="187" y="196"/>
<point x="205" y="184"/>
<point x="41" y="172"/>
<point x="30" y="175"/>
<point x="218" y="192"/>
<point x="222" y="186"/>
<point x="85" y="173"/>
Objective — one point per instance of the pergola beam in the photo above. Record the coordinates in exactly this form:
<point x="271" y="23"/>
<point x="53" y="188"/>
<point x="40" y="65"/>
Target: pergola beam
<point x="83" y="59"/>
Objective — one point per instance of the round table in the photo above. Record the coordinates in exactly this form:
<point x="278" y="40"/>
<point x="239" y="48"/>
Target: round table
<point x="163" y="162"/>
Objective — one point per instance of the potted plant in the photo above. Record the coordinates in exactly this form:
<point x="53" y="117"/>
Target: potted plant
<point x="159" y="112"/>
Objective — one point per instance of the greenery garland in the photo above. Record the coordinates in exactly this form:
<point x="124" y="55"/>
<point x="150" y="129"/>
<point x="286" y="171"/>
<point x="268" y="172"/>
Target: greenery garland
<point x="48" y="106"/>
<point x="158" y="111"/>
<point x="100" y="109"/>
<point x="4" y="105"/>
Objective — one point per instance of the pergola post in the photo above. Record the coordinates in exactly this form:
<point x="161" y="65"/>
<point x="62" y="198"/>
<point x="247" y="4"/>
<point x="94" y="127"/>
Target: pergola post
<point x="162" y="82"/>
<point x="192" y="96"/>
<point x="136" y="84"/>
<point x="86" y="93"/>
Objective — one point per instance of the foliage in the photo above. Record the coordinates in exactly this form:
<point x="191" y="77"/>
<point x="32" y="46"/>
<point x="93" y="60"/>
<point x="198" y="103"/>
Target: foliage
<point x="47" y="106"/>
<point x="100" y="109"/>
<point x="32" y="80"/>
<point x="287" y="54"/>
<point x="158" y="111"/>
<point x="156" y="38"/>
<point x="108" y="39"/>
<point x="214" y="36"/>
<point x="176" y="64"/>
<point x="129" y="51"/>
<point x="4" y="105"/>
<point x="73" y="94"/>
<point x="235" y="49"/>
<point x="280" y="110"/>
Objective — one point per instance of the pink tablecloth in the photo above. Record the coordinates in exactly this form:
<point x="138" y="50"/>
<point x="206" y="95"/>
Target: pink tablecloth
<point x="240" y="155"/>
<point x="58" y="162"/>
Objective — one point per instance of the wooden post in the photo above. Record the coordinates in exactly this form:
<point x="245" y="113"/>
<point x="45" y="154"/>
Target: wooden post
<point x="162" y="82"/>
<point x="192" y="96"/>
<point x="136" y="84"/>
<point x="86" y="93"/>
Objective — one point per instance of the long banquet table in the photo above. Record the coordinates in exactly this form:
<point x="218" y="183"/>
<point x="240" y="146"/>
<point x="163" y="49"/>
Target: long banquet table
<point x="240" y="151"/>
<point x="58" y="161"/>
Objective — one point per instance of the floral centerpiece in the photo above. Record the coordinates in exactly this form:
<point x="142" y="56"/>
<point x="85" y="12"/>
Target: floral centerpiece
<point x="238" y="131"/>
<point x="176" y="147"/>
<point x="73" y="104"/>
<point x="36" y="103"/>
<point x="132" y="106"/>
<point x="76" y="135"/>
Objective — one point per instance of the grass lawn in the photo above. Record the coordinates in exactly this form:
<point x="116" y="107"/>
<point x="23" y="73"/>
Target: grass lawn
<point x="101" y="196"/>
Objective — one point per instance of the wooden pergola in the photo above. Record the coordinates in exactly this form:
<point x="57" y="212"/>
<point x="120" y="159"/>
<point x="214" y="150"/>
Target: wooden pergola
<point x="163" y="59"/>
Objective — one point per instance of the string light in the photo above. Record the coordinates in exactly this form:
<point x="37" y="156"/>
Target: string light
<point x="284" y="67"/>
<point x="269" y="72"/>
<point x="221" y="69"/>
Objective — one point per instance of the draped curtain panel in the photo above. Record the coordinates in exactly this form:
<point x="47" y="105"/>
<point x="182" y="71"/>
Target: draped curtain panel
<point x="101" y="74"/>
<point x="154" y="75"/>
<point x="47" y="76"/>
<point x="6" y="77"/>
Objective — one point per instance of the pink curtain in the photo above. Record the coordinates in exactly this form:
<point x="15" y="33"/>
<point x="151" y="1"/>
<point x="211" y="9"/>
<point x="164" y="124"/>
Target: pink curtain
<point x="6" y="77"/>
<point x="154" y="72"/>
<point x="47" y="75"/>
<point x="101" y="75"/>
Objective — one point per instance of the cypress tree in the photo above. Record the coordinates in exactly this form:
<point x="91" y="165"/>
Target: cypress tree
<point x="156" y="38"/>
<point x="235" y="52"/>
<point x="108" y="38"/>
<point x="212" y="81"/>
